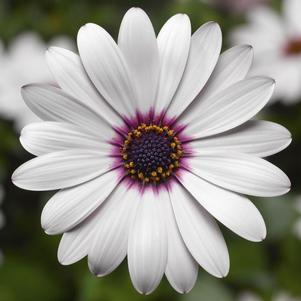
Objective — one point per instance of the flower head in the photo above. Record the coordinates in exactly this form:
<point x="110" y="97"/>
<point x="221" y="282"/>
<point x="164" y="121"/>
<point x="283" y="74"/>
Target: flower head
<point x="277" y="44"/>
<point x="148" y="141"/>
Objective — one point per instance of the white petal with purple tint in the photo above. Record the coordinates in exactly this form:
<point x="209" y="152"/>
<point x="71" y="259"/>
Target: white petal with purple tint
<point x="53" y="104"/>
<point x="181" y="269"/>
<point x="106" y="67"/>
<point x="230" y="107"/>
<point x="70" y="206"/>
<point x="241" y="173"/>
<point x="204" y="52"/>
<point x="147" y="245"/>
<point x="110" y="240"/>
<point x="137" y="41"/>
<point x="174" y="44"/>
<point x="68" y="70"/>
<point x="61" y="169"/>
<point x="200" y="233"/>
<point x="255" y="137"/>
<point x="49" y="136"/>
<point x="233" y="210"/>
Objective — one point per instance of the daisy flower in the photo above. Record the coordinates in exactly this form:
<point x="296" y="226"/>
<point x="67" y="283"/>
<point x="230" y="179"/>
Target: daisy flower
<point x="149" y="140"/>
<point x="23" y="62"/>
<point x="277" y="45"/>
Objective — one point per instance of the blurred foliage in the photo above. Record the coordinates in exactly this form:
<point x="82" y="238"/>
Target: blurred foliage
<point x="30" y="270"/>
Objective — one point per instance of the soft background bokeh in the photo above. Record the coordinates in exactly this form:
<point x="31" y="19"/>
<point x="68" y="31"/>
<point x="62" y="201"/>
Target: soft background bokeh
<point x="29" y="271"/>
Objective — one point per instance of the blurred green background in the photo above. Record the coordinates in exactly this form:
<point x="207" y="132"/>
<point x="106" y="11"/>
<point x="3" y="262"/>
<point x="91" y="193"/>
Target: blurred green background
<point x="30" y="270"/>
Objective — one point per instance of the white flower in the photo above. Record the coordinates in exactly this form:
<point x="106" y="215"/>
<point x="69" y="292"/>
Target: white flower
<point x="23" y="62"/>
<point x="147" y="140"/>
<point x="277" y="45"/>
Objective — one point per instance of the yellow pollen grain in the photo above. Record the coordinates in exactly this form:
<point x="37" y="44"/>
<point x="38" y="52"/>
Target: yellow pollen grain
<point x="173" y="155"/>
<point x="154" y="173"/>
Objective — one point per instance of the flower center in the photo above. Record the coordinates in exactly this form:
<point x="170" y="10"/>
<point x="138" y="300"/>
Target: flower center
<point x="151" y="153"/>
<point x="293" y="47"/>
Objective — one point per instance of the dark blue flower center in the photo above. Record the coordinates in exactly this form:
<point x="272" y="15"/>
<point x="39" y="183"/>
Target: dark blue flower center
<point x="151" y="153"/>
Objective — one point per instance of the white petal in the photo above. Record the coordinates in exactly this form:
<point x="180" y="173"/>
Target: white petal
<point x="292" y="9"/>
<point x="173" y="43"/>
<point x="241" y="173"/>
<point x="181" y="269"/>
<point x="52" y="104"/>
<point x="71" y="76"/>
<point x="233" y="210"/>
<point x="61" y="169"/>
<point x="200" y="232"/>
<point x="255" y="137"/>
<point x="137" y="41"/>
<point x="147" y="245"/>
<point x="232" y="66"/>
<point x="75" y="243"/>
<point x="106" y="67"/>
<point x="68" y="207"/>
<point x="49" y="136"/>
<point x="204" y="52"/>
<point x="230" y="107"/>
<point x="110" y="240"/>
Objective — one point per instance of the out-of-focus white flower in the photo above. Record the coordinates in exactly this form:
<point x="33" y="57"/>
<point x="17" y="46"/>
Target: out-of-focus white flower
<point x="248" y="296"/>
<point x="284" y="296"/>
<point x="235" y="6"/>
<point x="297" y="226"/>
<point x="281" y="296"/>
<point x="277" y="44"/>
<point x="21" y="63"/>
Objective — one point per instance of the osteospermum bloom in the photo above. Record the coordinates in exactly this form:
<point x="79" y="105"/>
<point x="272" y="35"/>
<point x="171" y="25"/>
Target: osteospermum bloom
<point x="148" y="141"/>
<point x="24" y="61"/>
<point x="277" y="44"/>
